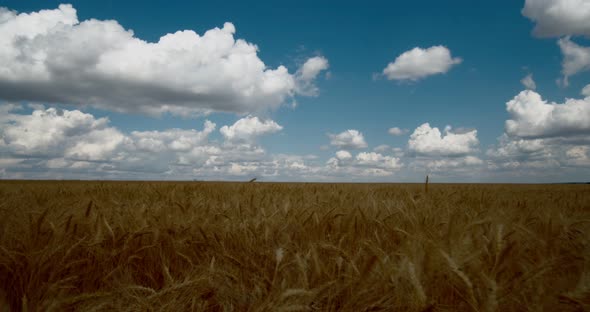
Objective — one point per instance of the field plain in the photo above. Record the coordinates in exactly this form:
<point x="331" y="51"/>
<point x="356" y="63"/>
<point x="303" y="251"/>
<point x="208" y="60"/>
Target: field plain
<point x="213" y="246"/>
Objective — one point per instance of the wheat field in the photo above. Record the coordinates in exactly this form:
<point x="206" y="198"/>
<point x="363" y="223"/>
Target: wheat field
<point x="212" y="246"/>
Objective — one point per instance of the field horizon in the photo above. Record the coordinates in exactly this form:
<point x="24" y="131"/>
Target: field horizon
<point x="288" y="182"/>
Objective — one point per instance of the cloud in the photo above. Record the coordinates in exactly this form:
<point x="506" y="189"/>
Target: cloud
<point x="512" y="153"/>
<point x="428" y="141"/>
<point x="555" y="18"/>
<point x="349" y="139"/>
<point x="528" y="82"/>
<point x="248" y="128"/>
<point x="59" y="143"/>
<point x="53" y="132"/>
<point x="372" y="159"/>
<point x="532" y="117"/>
<point x="307" y="74"/>
<point x="312" y="67"/>
<point x="365" y="164"/>
<point x="542" y="135"/>
<point x="382" y="148"/>
<point x="70" y="144"/>
<point x="517" y="149"/>
<point x="419" y="63"/>
<point x="576" y="58"/>
<point x="578" y="156"/>
<point x="179" y="140"/>
<point x="465" y="165"/>
<point x="50" y="56"/>
<point x="343" y="155"/>
<point x="395" y="131"/>
<point x="586" y="91"/>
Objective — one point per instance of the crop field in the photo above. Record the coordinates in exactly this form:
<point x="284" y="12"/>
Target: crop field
<point x="213" y="246"/>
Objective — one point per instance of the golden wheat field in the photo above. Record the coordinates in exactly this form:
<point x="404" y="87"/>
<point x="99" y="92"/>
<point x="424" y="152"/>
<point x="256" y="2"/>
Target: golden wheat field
<point x="204" y="246"/>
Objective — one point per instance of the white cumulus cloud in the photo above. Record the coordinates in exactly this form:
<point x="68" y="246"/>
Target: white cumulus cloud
<point x="533" y="117"/>
<point x="248" y="128"/>
<point x="586" y="91"/>
<point x="429" y="141"/>
<point x="556" y="18"/>
<point x="419" y="63"/>
<point x="50" y="56"/>
<point x="349" y="139"/>
<point x="48" y="132"/>
<point x="543" y="135"/>
<point x="312" y="67"/>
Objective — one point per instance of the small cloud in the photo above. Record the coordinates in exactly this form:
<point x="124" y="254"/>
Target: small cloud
<point x="248" y="128"/>
<point x="528" y="82"/>
<point x="349" y="139"/>
<point x="419" y="63"/>
<point x="395" y="131"/>
<point x="576" y="59"/>
<point x="307" y="74"/>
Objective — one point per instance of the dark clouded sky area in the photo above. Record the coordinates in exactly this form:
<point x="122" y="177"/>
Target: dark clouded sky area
<point x="464" y="91"/>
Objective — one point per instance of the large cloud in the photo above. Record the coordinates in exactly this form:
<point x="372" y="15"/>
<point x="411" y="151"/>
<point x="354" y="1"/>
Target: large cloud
<point x="429" y="141"/>
<point x="419" y="63"/>
<point x="532" y="117"/>
<point x="349" y="139"/>
<point x="524" y="153"/>
<point x="54" y="132"/>
<point x="556" y="18"/>
<point x="576" y="58"/>
<point x="543" y="135"/>
<point x="516" y="150"/>
<point x="50" y="56"/>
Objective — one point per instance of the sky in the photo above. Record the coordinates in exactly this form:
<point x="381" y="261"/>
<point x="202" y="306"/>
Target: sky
<point x="462" y="91"/>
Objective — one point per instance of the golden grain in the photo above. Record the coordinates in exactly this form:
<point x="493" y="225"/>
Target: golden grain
<point x="183" y="246"/>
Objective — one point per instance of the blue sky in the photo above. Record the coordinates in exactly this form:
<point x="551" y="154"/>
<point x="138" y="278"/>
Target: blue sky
<point x="311" y="96"/>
